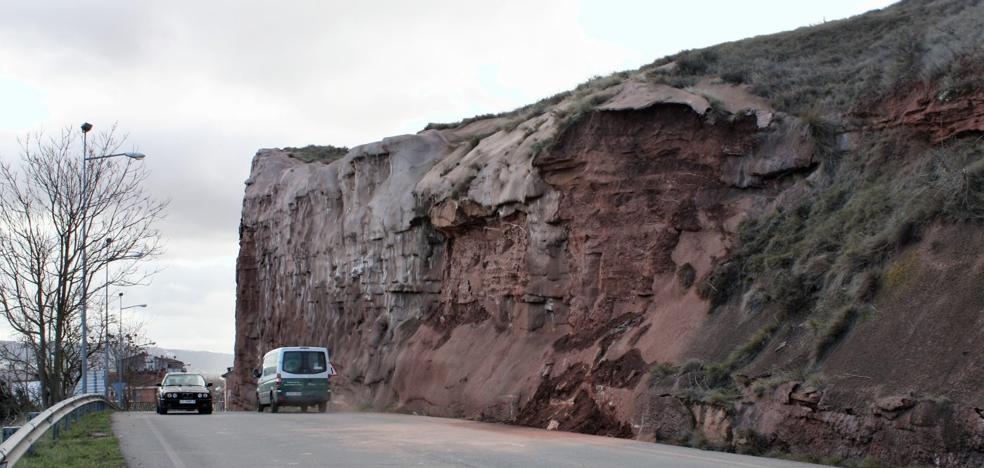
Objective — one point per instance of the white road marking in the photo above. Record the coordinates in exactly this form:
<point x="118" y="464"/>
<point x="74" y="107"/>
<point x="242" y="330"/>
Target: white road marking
<point x="171" y="454"/>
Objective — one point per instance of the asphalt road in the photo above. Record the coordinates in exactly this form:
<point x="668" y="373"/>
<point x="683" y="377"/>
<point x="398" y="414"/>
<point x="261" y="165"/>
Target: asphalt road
<point x="242" y="439"/>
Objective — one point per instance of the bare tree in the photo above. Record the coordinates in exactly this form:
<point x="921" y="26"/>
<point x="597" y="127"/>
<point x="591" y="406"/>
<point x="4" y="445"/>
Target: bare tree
<point x="128" y="346"/>
<point x="45" y="207"/>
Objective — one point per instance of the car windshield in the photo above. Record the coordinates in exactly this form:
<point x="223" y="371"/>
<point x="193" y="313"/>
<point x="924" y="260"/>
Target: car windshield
<point x="184" y="380"/>
<point x="304" y="362"/>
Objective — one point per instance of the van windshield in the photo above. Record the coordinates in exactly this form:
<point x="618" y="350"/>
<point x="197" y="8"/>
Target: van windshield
<point x="304" y="362"/>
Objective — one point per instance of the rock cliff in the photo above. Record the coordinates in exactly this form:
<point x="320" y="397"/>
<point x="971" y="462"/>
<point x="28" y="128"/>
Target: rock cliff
<point x="679" y="262"/>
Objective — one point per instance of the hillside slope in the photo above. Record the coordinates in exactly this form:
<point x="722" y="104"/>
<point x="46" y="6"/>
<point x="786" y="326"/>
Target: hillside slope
<point x="767" y="246"/>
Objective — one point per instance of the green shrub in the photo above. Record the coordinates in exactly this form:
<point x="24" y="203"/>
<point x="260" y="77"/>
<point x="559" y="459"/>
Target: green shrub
<point x="735" y="77"/>
<point x="964" y="199"/>
<point x="686" y="275"/>
<point x="660" y="371"/>
<point x="723" y="282"/>
<point x="695" y="62"/>
<point x="749" y="442"/>
<point x="748" y="351"/>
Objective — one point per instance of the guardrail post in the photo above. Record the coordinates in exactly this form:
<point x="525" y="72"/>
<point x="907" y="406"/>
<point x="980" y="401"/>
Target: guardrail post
<point x="9" y="431"/>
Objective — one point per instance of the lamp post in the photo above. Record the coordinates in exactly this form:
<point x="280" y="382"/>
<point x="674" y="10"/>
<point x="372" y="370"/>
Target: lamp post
<point x="106" y="325"/>
<point x="106" y="314"/>
<point x="119" y="353"/>
<point x="86" y="127"/>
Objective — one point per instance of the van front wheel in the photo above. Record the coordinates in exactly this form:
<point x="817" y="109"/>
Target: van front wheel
<point x="322" y="407"/>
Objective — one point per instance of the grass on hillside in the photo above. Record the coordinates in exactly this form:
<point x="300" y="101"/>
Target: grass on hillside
<point x="317" y="153"/>
<point x="88" y="443"/>
<point x="832" y="68"/>
<point x="824" y="260"/>
<point x="842" y="66"/>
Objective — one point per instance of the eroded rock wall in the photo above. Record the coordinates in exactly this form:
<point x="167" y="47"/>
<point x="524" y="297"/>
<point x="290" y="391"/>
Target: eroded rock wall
<point x="535" y="269"/>
<point x="455" y="271"/>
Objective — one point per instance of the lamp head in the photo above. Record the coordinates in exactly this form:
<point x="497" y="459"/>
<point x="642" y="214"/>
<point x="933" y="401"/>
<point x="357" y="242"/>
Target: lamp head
<point x="137" y="156"/>
<point x="86" y="127"/>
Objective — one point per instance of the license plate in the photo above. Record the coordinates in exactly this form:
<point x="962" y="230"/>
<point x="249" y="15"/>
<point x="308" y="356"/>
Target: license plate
<point x="293" y="393"/>
<point x="186" y="402"/>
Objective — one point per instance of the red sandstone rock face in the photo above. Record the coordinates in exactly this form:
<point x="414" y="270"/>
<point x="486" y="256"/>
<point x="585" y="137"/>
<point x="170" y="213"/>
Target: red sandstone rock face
<point x="936" y="113"/>
<point x="584" y="275"/>
<point x="541" y="290"/>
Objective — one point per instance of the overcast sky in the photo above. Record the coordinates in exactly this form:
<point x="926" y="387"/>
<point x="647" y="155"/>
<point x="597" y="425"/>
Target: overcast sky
<point x="199" y="86"/>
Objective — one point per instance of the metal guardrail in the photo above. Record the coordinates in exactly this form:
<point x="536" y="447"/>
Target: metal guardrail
<point x="56" y="417"/>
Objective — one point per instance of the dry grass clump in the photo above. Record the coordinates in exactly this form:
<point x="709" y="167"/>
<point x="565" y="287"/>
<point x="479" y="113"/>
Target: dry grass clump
<point x="833" y="331"/>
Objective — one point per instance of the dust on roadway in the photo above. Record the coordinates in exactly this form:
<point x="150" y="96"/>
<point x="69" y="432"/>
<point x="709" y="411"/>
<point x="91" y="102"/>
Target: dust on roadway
<point x="237" y="439"/>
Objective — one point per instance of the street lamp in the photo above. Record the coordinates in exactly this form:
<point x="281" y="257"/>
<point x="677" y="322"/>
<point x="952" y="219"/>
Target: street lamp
<point x="119" y="354"/>
<point x="86" y="127"/>
<point x="109" y="259"/>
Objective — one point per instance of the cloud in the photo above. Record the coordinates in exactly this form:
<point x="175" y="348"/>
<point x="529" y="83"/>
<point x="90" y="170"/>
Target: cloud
<point x="200" y="86"/>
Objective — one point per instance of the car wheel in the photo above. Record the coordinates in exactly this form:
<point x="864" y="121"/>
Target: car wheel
<point x="163" y="410"/>
<point x="273" y="404"/>
<point x="322" y="407"/>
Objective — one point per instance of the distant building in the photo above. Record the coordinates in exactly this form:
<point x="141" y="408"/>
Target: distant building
<point x="225" y="386"/>
<point x="141" y="374"/>
<point x="146" y="363"/>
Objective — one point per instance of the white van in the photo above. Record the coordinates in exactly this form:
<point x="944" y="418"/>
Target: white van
<point x="295" y="376"/>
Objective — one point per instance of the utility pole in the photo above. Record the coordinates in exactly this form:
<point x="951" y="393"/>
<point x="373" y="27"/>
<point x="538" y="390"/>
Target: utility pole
<point x="85" y="261"/>
<point x="106" y="326"/>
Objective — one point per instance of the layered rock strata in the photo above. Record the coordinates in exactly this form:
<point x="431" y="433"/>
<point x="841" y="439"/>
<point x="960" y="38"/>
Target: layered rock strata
<point x="534" y="268"/>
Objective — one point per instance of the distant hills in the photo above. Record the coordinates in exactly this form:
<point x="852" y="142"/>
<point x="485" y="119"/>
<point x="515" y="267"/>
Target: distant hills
<point x="205" y="362"/>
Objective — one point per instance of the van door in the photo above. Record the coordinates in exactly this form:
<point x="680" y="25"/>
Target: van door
<point x="305" y="374"/>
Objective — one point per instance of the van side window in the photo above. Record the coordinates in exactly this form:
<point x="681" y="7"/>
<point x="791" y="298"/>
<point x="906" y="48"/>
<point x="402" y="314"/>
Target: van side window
<point x="270" y="364"/>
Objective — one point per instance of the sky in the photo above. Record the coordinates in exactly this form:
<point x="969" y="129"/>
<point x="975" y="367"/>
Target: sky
<point x="199" y="86"/>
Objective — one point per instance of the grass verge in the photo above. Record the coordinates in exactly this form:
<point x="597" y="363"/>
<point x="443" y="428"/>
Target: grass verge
<point x="89" y="443"/>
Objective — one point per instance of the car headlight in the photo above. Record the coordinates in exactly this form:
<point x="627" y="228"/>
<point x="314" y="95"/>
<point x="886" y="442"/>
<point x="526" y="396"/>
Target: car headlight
<point x="170" y="395"/>
<point x="201" y="395"/>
